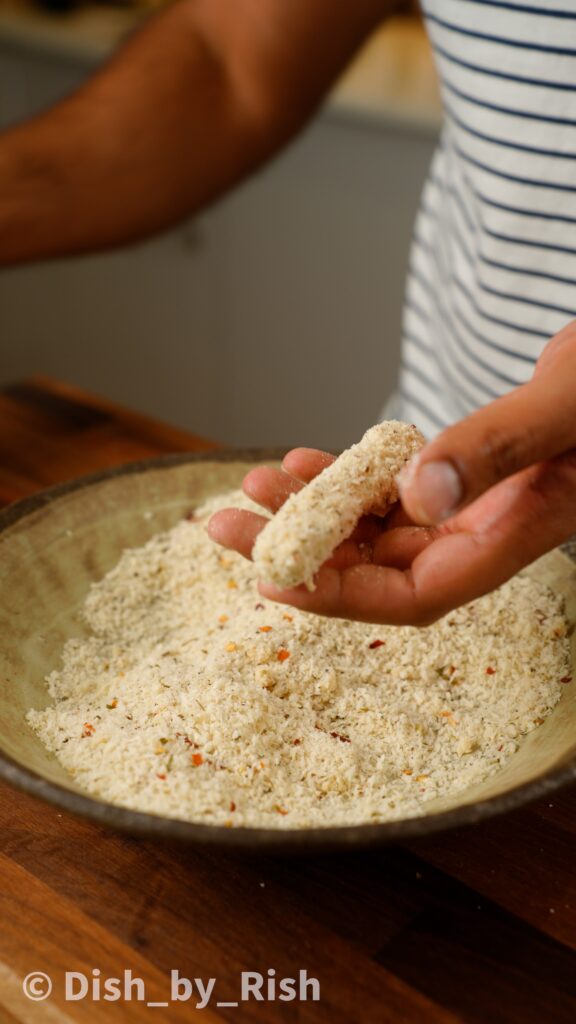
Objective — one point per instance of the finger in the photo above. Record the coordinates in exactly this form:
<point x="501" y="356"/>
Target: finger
<point x="399" y="547"/>
<point x="556" y="349"/>
<point x="269" y="487"/>
<point x="532" y="424"/>
<point x="306" y="463"/>
<point x="414" y="596"/>
<point x="517" y="521"/>
<point x="350" y="553"/>
<point x="366" y="593"/>
<point x="272" y="487"/>
<point x="508" y="528"/>
<point x="368" y="529"/>
<point x="505" y="530"/>
<point x="396" y="515"/>
<point x="236" y="529"/>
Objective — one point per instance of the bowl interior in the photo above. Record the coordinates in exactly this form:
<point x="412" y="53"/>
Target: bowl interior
<point x="51" y="553"/>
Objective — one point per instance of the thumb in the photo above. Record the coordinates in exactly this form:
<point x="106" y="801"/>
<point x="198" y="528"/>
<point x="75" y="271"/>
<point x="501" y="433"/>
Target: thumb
<point x="533" y="423"/>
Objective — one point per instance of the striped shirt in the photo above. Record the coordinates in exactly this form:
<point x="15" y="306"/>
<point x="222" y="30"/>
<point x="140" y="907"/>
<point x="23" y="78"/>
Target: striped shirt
<point x="493" y="266"/>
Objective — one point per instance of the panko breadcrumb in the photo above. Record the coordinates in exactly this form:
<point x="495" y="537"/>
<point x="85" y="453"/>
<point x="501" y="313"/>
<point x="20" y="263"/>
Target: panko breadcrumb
<point x="192" y="697"/>
<point x="312" y="523"/>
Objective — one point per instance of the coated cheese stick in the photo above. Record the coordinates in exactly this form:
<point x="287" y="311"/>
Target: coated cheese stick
<point x="312" y="523"/>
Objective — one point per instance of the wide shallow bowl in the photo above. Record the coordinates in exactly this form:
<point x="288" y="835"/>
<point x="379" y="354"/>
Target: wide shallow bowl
<point x="55" y="544"/>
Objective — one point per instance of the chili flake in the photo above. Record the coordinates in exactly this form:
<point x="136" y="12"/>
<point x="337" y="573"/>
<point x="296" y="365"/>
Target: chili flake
<point x="232" y="806"/>
<point x="289" y="618"/>
<point x="197" y="760"/>
<point x="566" y="679"/>
<point x="490" y="671"/>
<point x="280" y="810"/>
<point x="113" y="704"/>
<point x="339" y="736"/>
<point x="265" y="629"/>
<point x="376" y="643"/>
<point x="283" y="654"/>
<point x="88" y="730"/>
<point x="159" y="775"/>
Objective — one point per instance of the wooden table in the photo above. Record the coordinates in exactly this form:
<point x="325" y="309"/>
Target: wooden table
<point x="477" y="925"/>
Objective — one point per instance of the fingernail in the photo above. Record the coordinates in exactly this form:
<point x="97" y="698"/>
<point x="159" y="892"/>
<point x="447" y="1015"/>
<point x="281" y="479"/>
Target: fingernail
<point x="407" y="474"/>
<point x="435" y="491"/>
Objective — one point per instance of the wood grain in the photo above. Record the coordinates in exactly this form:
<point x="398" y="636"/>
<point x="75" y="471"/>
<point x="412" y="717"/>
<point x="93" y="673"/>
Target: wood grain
<point x="477" y="925"/>
<point x="50" y="432"/>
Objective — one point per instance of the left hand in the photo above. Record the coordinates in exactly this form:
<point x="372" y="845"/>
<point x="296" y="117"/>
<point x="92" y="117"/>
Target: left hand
<point x="484" y="499"/>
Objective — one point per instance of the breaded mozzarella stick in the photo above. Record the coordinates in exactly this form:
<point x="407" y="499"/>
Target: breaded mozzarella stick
<point x="312" y="523"/>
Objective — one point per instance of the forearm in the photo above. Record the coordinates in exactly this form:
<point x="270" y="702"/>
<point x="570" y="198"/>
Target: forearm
<point x="195" y="101"/>
<point x="152" y="137"/>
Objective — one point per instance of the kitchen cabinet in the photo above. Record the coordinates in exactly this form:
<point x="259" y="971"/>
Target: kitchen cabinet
<point x="272" y="318"/>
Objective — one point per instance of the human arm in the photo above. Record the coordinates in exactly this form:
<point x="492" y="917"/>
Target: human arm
<point x="509" y="497"/>
<point x="192" y="103"/>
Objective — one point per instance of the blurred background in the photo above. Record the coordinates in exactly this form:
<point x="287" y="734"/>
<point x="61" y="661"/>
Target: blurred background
<point x="275" y="316"/>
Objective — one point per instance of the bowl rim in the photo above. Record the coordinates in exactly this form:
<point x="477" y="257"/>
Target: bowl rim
<point x="152" y="826"/>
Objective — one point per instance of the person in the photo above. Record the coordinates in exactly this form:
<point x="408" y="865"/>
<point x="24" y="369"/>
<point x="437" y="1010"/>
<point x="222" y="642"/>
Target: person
<point x="203" y="95"/>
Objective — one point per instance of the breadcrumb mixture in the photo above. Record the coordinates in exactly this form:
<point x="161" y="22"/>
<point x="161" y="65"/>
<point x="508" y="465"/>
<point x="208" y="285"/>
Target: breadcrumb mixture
<point x="193" y="697"/>
<point x="313" y="522"/>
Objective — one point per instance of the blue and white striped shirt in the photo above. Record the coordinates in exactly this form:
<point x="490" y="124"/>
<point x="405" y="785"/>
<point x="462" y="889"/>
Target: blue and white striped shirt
<point x="493" y="267"/>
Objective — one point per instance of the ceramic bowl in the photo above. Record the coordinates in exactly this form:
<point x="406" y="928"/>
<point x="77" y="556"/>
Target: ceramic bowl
<point x="55" y="544"/>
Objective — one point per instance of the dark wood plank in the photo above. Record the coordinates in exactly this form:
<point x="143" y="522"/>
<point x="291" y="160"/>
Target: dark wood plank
<point x="208" y="913"/>
<point x="523" y="861"/>
<point x="64" y="939"/>
<point x="52" y="432"/>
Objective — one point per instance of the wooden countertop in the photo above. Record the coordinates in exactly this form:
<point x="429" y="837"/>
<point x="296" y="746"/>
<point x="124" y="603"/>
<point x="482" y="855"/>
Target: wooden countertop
<point x="477" y="925"/>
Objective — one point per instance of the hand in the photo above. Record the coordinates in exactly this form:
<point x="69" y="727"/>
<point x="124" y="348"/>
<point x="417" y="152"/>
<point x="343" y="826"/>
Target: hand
<point x="487" y="497"/>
